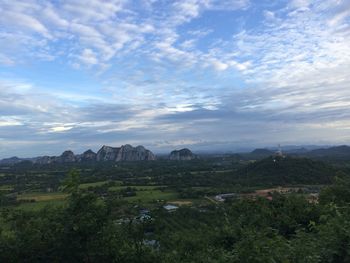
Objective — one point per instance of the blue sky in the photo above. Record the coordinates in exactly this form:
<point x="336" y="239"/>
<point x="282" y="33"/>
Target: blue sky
<point x="204" y="74"/>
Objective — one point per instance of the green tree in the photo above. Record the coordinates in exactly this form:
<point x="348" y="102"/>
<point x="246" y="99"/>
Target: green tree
<point x="337" y="193"/>
<point x="71" y="182"/>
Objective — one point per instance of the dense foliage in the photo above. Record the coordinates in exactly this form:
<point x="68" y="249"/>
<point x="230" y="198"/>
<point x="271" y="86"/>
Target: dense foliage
<point x="85" y="229"/>
<point x="213" y="175"/>
<point x="285" y="171"/>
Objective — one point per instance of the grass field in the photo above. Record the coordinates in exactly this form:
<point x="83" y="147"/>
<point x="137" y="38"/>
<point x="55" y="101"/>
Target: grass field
<point x="95" y="184"/>
<point x="40" y="197"/>
<point x="35" y="206"/>
<point x="152" y="195"/>
<point x="87" y="185"/>
<point x="137" y="187"/>
<point x="41" y="200"/>
<point x="6" y="187"/>
<point x="145" y="194"/>
<point x="181" y="202"/>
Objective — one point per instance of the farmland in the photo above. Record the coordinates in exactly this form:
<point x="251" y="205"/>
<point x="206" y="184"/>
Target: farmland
<point x="146" y="184"/>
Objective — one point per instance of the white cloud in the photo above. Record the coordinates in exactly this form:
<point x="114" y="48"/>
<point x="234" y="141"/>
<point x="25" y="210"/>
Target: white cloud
<point x="23" y="21"/>
<point x="93" y="10"/>
<point x="53" y="17"/>
<point x="269" y="15"/>
<point x="6" y="121"/>
<point x="60" y="129"/>
<point x="111" y="29"/>
<point x="342" y="12"/>
<point x="6" y="60"/>
<point x="85" y="31"/>
<point x="218" y="65"/>
<point x="228" y="4"/>
<point x="88" y="57"/>
<point x="299" y="3"/>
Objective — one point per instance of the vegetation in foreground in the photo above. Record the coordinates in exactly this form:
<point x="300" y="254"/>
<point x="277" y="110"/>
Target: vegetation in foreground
<point x="85" y="229"/>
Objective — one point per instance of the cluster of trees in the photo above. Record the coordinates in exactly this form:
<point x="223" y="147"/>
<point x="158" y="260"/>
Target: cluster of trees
<point x="85" y="229"/>
<point x="286" y="171"/>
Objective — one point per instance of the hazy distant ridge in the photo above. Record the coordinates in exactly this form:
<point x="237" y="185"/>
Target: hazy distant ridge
<point x="106" y="153"/>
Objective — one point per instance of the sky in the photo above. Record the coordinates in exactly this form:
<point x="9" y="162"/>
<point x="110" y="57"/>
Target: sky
<point x="210" y="75"/>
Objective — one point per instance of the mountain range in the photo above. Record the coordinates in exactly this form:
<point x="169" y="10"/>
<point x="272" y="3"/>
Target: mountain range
<point x="105" y="154"/>
<point x="140" y="153"/>
<point x="341" y="152"/>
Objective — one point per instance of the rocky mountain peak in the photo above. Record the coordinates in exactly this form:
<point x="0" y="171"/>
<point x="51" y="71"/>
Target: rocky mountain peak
<point x="182" y="155"/>
<point x="67" y="157"/>
<point x="124" y="153"/>
<point x="88" y="156"/>
<point x="107" y="153"/>
<point x="89" y="152"/>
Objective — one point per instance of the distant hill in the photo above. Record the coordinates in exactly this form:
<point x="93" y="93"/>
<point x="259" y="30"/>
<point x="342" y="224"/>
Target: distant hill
<point x="301" y="150"/>
<point x="284" y="171"/>
<point x="262" y="152"/>
<point x="257" y="154"/>
<point x="11" y="161"/>
<point x="266" y="152"/>
<point x="331" y="153"/>
<point x="182" y="155"/>
<point x="337" y="152"/>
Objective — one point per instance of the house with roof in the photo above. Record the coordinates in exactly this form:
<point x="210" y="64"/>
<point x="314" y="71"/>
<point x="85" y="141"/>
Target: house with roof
<point x="170" y="207"/>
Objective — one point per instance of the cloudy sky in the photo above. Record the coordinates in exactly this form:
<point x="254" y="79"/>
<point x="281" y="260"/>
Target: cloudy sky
<point x="205" y="74"/>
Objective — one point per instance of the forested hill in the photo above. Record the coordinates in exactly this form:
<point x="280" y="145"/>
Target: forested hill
<point x="333" y="153"/>
<point x="283" y="171"/>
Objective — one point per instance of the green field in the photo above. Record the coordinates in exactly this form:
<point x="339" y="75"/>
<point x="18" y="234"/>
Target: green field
<point x="35" y="206"/>
<point x="6" y="187"/>
<point x="144" y="194"/>
<point x="149" y="196"/>
<point x="96" y="184"/>
<point x="36" y="201"/>
<point x="137" y="187"/>
<point x="147" y="193"/>
<point x="41" y="197"/>
<point x="87" y="185"/>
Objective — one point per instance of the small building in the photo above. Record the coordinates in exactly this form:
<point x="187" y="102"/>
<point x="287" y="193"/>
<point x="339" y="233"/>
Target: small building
<point x="144" y="211"/>
<point x="144" y="218"/>
<point x="170" y="208"/>
<point x="151" y="243"/>
<point x="223" y="197"/>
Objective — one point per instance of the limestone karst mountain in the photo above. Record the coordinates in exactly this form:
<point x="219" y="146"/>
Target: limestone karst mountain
<point x="124" y="153"/>
<point x="106" y="153"/>
<point x="182" y="155"/>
